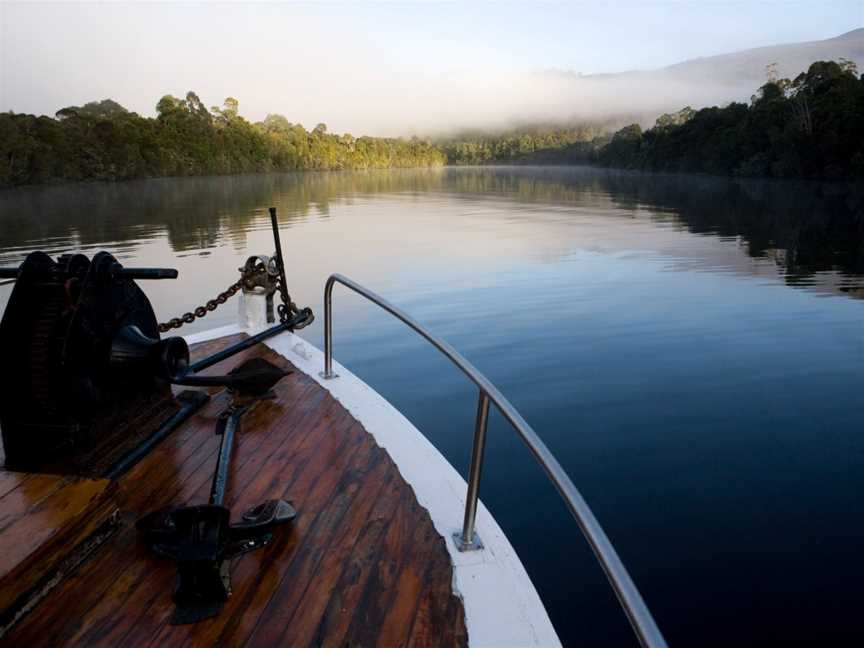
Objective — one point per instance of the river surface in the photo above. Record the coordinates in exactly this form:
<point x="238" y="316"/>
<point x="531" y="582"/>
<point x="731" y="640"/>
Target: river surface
<point x="691" y="349"/>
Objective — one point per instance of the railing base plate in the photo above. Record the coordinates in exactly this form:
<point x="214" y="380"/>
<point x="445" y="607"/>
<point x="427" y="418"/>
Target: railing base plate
<point x="475" y="545"/>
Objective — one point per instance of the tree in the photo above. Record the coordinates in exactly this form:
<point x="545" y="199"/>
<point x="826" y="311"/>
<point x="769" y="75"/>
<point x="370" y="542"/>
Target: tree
<point x="167" y="105"/>
<point x="228" y="112"/>
<point x="811" y="127"/>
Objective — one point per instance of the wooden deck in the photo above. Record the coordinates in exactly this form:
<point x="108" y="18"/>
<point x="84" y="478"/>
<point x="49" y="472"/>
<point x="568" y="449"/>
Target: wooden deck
<point x="362" y="564"/>
<point x="42" y="517"/>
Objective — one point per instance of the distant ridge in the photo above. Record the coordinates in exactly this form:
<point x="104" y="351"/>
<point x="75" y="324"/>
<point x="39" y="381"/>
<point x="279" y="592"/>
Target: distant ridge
<point x="748" y="66"/>
<point x="710" y="80"/>
<point x="855" y="33"/>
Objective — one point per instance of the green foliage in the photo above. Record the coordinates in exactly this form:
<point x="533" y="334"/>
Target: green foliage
<point x="624" y="146"/>
<point x="104" y="141"/>
<point x="809" y="127"/>
<point x="527" y="145"/>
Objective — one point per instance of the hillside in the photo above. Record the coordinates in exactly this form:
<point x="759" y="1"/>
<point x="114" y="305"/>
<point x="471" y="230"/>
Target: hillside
<point x="706" y="81"/>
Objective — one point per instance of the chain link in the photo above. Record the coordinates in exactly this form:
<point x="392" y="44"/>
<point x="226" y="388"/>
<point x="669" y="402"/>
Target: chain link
<point x="210" y="306"/>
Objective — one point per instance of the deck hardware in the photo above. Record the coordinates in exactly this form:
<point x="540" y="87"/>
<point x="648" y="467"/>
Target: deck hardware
<point x="290" y="317"/>
<point x="201" y="538"/>
<point x="200" y="311"/>
<point x="476" y="544"/>
<point x="252" y="378"/>
<point x="634" y="607"/>
<point x="260" y="275"/>
<point x="116" y="272"/>
<point x="63" y="404"/>
<point x="468" y="539"/>
<point x="190" y="402"/>
<point x="82" y="345"/>
<point x="234" y="349"/>
<point x="289" y="314"/>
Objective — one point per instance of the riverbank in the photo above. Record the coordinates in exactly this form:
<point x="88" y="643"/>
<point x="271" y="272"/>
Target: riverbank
<point x="811" y="127"/>
<point x="104" y="141"/>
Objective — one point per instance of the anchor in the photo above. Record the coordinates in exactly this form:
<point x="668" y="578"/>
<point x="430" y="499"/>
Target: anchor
<point x="200" y="538"/>
<point x="82" y="351"/>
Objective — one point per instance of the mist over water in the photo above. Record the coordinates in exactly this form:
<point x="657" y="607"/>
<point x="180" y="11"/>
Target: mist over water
<point x="691" y="349"/>
<point x="424" y="68"/>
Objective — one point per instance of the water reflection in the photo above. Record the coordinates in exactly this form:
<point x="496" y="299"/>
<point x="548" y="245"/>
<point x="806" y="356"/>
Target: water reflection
<point x="193" y="213"/>
<point x="811" y="232"/>
<point x="668" y="337"/>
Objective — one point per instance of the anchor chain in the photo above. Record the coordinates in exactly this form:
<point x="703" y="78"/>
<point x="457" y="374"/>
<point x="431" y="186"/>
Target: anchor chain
<point x="199" y="312"/>
<point x="267" y="273"/>
<point x="287" y="311"/>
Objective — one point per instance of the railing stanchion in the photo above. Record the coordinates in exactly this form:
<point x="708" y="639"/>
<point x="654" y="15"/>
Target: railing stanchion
<point x="631" y="601"/>
<point x="468" y="539"/>
<point x="327" y="374"/>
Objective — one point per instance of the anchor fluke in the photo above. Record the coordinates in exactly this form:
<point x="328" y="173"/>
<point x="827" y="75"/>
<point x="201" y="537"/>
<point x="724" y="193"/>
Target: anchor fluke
<point x="202" y="541"/>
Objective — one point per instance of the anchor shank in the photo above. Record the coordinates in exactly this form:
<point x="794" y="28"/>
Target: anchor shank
<point x="220" y="477"/>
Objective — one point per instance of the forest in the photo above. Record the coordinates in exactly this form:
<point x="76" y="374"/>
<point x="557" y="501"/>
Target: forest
<point x="529" y="144"/>
<point x="104" y="141"/>
<point x="809" y="127"/>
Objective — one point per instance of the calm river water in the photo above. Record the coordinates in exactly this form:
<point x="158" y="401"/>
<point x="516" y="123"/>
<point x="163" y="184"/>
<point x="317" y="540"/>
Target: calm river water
<point x="691" y="349"/>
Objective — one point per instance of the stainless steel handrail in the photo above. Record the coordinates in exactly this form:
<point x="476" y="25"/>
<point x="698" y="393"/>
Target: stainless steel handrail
<point x="631" y="601"/>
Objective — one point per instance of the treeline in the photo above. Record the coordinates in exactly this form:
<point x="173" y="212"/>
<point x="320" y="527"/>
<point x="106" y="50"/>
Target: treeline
<point x="104" y="141"/>
<point x="556" y="144"/>
<point x="809" y="127"/>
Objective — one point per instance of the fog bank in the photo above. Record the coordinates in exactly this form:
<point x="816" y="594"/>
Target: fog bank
<point x="385" y="70"/>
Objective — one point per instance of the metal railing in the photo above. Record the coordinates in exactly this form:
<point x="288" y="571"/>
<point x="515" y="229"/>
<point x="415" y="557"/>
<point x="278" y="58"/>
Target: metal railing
<point x="631" y="601"/>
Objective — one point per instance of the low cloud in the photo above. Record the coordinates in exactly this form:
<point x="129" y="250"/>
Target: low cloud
<point x="312" y="68"/>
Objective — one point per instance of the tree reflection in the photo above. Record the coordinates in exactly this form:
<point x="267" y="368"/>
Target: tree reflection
<point x="805" y="228"/>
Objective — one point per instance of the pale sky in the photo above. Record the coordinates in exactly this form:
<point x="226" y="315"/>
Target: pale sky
<point x="367" y="67"/>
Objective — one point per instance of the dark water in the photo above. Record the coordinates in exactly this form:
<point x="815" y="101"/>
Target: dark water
<point x="691" y="349"/>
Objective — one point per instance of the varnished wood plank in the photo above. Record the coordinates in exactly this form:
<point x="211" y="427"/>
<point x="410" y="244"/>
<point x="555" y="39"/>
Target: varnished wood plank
<point x="353" y="566"/>
<point x="28" y="496"/>
<point x="160" y="613"/>
<point x="166" y="483"/>
<point x="38" y="522"/>
<point x="296" y="577"/>
<point x="44" y="520"/>
<point x="439" y="619"/>
<point x="361" y="564"/>
<point x="143" y="599"/>
<point x="203" y="349"/>
<point x="148" y="583"/>
<point x="328" y="494"/>
<point x="9" y="481"/>
<point x="385" y="615"/>
<point x="306" y="489"/>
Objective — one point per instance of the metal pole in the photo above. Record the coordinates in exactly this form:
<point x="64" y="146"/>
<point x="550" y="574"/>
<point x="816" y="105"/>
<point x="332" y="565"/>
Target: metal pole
<point x="128" y="273"/>
<point x="190" y="402"/>
<point x="327" y="374"/>
<point x="280" y="264"/>
<point x="234" y="349"/>
<point x="220" y="477"/>
<point x="284" y="309"/>
<point x="631" y="601"/>
<point x="468" y="540"/>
